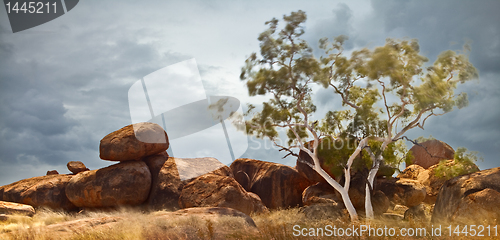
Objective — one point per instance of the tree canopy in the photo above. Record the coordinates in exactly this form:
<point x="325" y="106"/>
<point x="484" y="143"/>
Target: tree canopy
<point x="385" y="92"/>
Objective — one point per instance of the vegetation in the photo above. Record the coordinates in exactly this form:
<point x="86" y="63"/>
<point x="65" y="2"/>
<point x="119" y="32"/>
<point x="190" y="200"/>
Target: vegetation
<point x="464" y="163"/>
<point x="388" y="91"/>
<point x="277" y="224"/>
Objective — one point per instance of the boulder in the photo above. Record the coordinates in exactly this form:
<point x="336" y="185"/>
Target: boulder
<point x="319" y="193"/>
<point x="307" y="171"/>
<point x="411" y="172"/>
<point x="45" y="191"/>
<point x="433" y="183"/>
<point x="415" y="213"/>
<point x="125" y="183"/>
<point x="52" y="172"/>
<point x="402" y="191"/>
<point x="470" y="199"/>
<point x="10" y="208"/>
<point x="134" y="142"/>
<point x="76" y="167"/>
<point x="278" y="186"/>
<point x="380" y="203"/>
<point x="357" y="189"/>
<point x="430" y="152"/>
<point x="169" y="175"/>
<point x="212" y="190"/>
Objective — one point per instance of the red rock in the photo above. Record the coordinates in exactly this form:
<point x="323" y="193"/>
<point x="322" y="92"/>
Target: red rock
<point x="125" y="183"/>
<point x="76" y="167"/>
<point x="10" y="208"/>
<point x="212" y="190"/>
<point x="46" y="191"/>
<point x="402" y="191"/>
<point x="436" y="151"/>
<point x="470" y="199"/>
<point x="134" y="142"/>
<point x="52" y="172"/>
<point x="319" y="193"/>
<point x="278" y="186"/>
<point x="170" y="175"/>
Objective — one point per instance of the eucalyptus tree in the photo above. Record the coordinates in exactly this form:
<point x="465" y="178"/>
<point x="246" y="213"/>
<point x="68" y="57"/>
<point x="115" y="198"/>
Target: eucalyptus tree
<point x="390" y="90"/>
<point x="285" y="69"/>
<point x="409" y="91"/>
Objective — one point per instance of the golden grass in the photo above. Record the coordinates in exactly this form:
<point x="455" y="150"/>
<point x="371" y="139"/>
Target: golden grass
<point x="137" y="224"/>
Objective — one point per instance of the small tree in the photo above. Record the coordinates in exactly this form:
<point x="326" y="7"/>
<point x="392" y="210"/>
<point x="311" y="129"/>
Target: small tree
<point x="365" y="82"/>
<point x="285" y="70"/>
<point x="395" y="69"/>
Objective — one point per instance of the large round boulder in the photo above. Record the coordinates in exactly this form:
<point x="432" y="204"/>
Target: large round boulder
<point x="46" y="191"/>
<point x="134" y="142"/>
<point x="170" y="175"/>
<point x="470" y="199"/>
<point x="430" y="152"/>
<point x="76" y="167"/>
<point x="212" y="190"/>
<point x="278" y="186"/>
<point x="125" y="183"/>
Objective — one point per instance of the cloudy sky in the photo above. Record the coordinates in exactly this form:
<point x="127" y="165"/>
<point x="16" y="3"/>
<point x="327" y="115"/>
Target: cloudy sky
<point x="65" y="84"/>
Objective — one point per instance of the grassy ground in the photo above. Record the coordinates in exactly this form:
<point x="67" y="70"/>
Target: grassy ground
<point x="278" y="224"/>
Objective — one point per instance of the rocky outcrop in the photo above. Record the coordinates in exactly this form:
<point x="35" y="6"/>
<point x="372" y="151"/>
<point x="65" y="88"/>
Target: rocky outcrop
<point x="469" y="199"/>
<point x="46" y="191"/>
<point x="306" y="170"/>
<point x="430" y="152"/>
<point x="170" y="175"/>
<point x="428" y="178"/>
<point x="212" y="190"/>
<point x="76" y="167"/>
<point x="278" y="186"/>
<point x="125" y="183"/>
<point x="134" y="142"/>
<point x="402" y="191"/>
<point x="319" y="193"/>
<point x="10" y="208"/>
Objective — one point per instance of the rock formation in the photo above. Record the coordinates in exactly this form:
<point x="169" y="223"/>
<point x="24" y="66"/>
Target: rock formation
<point x="470" y="199"/>
<point x="134" y="142"/>
<point x="278" y="186"/>
<point x="431" y="152"/>
<point x="125" y="183"/>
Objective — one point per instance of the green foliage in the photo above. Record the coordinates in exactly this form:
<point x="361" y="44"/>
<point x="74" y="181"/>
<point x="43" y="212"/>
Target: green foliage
<point x="422" y="139"/>
<point x="464" y="163"/>
<point x="336" y="153"/>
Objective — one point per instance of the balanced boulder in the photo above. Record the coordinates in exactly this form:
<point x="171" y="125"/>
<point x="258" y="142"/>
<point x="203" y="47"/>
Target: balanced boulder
<point x="430" y="152"/>
<point x="76" y="167"/>
<point x="126" y="183"/>
<point x="134" y="142"/>
<point x="212" y="190"/>
<point x="278" y="186"/>
<point x="46" y="191"/>
<point x="469" y="199"/>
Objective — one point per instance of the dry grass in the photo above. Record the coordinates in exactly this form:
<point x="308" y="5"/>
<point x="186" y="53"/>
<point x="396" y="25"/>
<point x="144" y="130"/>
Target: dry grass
<point x="136" y="224"/>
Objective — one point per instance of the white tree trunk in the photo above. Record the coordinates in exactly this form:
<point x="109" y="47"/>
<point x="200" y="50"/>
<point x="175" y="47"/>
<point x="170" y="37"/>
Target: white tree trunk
<point x="371" y="179"/>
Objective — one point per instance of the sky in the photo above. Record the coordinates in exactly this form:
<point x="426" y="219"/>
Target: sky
<point x="64" y="85"/>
